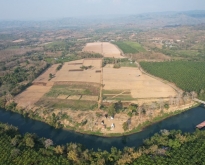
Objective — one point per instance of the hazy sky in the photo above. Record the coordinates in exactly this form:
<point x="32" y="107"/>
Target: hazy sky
<point x="51" y="9"/>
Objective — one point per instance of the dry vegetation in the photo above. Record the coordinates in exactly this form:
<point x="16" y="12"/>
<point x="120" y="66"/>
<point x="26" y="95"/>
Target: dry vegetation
<point x="134" y="81"/>
<point x="66" y="84"/>
<point x="105" y="48"/>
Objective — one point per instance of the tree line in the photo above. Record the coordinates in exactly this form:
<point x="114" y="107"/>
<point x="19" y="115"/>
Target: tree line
<point x="165" y="147"/>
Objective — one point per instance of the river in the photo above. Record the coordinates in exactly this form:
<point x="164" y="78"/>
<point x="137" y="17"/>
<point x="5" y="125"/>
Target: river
<point x="185" y="121"/>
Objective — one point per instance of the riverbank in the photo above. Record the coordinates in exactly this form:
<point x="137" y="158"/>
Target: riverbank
<point x="185" y="121"/>
<point x="143" y="126"/>
<point x="172" y="112"/>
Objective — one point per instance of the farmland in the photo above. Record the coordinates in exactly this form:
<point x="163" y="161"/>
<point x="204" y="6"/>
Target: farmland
<point x="131" y="84"/>
<point x="68" y="83"/>
<point x="105" y="48"/>
<point x="129" y="47"/>
<point x="73" y="78"/>
<point x="187" y="75"/>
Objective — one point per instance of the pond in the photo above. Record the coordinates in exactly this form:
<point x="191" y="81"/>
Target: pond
<point x="185" y="121"/>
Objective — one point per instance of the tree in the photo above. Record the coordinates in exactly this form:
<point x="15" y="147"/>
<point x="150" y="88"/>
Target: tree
<point x="59" y="149"/>
<point x="48" y="143"/>
<point x="15" y="152"/>
<point x="125" y="126"/>
<point x="111" y="110"/>
<point x="166" y="106"/>
<point x="30" y="142"/>
<point x="50" y="76"/>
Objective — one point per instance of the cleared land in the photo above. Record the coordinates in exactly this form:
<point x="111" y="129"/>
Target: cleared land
<point x="77" y="96"/>
<point x="105" y="48"/>
<point x="132" y="80"/>
<point x="31" y="95"/>
<point x="45" y="76"/>
<point x="71" y="86"/>
<point x="71" y="71"/>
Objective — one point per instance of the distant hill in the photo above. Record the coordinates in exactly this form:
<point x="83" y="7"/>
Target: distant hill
<point x="147" y="20"/>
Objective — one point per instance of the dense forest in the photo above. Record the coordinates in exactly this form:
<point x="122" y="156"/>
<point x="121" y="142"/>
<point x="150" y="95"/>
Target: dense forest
<point x="187" y="75"/>
<point x="167" y="147"/>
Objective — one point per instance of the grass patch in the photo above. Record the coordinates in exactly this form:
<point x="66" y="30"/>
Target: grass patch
<point x="128" y="64"/>
<point x="67" y="104"/>
<point x="130" y="47"/>
<point x="112" y="91"/>
<point x="120" y="97"/>
<point x="136" y="46"/>
<point x="73" y="90"/>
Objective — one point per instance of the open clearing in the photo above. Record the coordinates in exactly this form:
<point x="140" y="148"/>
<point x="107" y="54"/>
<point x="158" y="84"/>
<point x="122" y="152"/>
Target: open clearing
<point x="71" y="71"/>
<point x="105" y="48"/>
<point x="31" y="95"/>
<point x="69" y="83"/>
<point x="132" y="80"/>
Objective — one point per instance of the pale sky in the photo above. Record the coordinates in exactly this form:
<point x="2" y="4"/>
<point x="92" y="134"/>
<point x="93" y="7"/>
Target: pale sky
<point x="52" y="9"/>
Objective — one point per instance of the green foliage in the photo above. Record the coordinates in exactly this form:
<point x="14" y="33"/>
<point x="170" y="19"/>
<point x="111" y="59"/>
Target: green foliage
<point x="124" y="62"/>
<point x="58" y="46"/>
<point x="167" y="147"/>
<point x="84" y="122"/>
<point x="71" y="57"/>
<point x="86" y="67"/>
<point x="68" y="90"/>
<point x="125" y="126"/>
<point x="11" y="106"/>
<point x="111" y="110"/>
<point x="129" y="114"/>
<point x="166" y="106"/>
<point x="2" y="102"/>
<point x="130" y="47"/>
<point x="59" y="67"/>
<point x="187" y="75"/>
<point x="116" y="66"/>
<point x="50" y="76"/>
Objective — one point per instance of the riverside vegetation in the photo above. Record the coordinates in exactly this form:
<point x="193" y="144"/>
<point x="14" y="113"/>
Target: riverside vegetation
<point x="166" y="147"/>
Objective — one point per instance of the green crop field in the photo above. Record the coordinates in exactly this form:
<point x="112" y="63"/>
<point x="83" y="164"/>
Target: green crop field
<point x="73" y="90"/>
<point x="129" y="47"/>
<point x="187" y="75"/>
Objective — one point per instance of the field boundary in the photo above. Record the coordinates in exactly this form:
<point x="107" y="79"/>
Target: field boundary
<point x="162" y="80"/>
<point x="76" y="83"/>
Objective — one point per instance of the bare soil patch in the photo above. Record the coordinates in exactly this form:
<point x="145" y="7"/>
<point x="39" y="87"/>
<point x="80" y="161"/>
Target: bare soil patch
<point x="105" y="48"/>
<point x="31" y="95"/>
<point x="140" y="85"/>
<point x="44" y="77"/>
<point x="88" y="75"/>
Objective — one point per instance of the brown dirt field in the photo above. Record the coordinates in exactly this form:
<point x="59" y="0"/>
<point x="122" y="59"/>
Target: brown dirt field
<point x="105" y="48"/>
<point x="79" y="76"/>
<point x="31" y="95"/>
<point x="45" y="76"/>
<point x="142" y="86"/>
